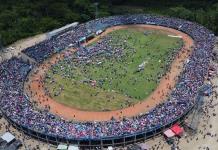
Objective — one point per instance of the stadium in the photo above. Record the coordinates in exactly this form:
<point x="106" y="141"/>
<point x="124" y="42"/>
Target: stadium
<point x="33" y="108"/>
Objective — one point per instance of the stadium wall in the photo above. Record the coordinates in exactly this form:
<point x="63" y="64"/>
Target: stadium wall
<point x="61" y="30"/>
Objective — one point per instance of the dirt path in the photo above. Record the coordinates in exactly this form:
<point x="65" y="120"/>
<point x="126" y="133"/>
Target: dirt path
<point x="36" y="87"/>
<point x="20" y="45"/>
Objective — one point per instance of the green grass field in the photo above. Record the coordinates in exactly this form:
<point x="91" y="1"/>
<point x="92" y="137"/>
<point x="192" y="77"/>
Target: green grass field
<point x="119" y="81"/>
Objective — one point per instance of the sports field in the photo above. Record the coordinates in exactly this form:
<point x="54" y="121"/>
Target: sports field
<point x="116" y="78"/>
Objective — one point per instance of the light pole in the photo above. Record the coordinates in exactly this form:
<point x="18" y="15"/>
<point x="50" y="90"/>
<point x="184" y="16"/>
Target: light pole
<point x="1" y="46"/>
<point x="96" y="9"/>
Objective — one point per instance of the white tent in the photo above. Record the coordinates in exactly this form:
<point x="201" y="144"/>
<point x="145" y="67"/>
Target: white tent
<point x="169" y="133"/>
<point x="8" y="137"/>
<point x="62" y="147"/>
<point x="98" y="32"/>
<point x="73" y="147"/>
<point x="110" y="148"/>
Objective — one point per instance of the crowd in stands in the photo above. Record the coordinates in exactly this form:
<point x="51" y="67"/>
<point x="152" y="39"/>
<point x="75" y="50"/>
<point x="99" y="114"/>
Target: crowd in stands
<point x="18" y="108"/>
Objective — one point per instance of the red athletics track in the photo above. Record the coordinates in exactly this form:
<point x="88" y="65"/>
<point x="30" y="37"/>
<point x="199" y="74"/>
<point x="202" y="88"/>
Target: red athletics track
<point x="35" y="83"/>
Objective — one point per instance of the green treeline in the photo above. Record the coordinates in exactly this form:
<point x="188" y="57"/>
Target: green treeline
<point x="23" y="18"/>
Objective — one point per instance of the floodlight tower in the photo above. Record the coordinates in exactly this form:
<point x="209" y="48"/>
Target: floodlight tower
<point x="96" y="9"/>
<point x="1" y="46"/>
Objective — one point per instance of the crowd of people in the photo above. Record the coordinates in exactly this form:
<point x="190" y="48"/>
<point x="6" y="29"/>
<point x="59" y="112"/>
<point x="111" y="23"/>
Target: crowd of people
<point x="18" y="108"/>
<point x="117" y="47"/>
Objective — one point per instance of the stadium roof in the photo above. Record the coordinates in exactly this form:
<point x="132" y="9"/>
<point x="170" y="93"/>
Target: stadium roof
<point x="59" y="30"/>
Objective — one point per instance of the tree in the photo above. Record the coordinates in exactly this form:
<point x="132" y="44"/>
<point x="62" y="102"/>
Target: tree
<point x="200" y="16"/>
<point x="181" y="12"/>
<point x="21" y="18"/>
<point x="8" y="18"/>
<point x="26" y="25"/>
<point x="48" y="23"/>
<point x="82" y="4"/>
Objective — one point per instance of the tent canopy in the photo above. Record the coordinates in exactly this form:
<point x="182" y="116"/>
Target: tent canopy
<point x="169" y="133"/>
<point x="82" y="39"/>
<point x="8" y="137"/>
<point x="110" y="148"/>
<point x="73" y="147"/>
<point x="177" y="129"/>
<point x="62" y="147"/>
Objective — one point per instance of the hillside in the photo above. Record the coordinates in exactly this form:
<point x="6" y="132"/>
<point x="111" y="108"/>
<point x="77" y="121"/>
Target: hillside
<point x="23" y="18"/>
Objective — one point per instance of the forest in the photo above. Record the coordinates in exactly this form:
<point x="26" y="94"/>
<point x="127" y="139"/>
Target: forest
<point x="24" y="18"/>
